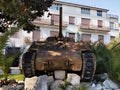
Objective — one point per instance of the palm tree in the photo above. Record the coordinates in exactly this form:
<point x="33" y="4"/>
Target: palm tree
<point x="114" y="47"/>
<point x="6" y="60"/>
<point x="108" y="58"/>
<point x="103" y="57"/>
<point x="5" y="64"/>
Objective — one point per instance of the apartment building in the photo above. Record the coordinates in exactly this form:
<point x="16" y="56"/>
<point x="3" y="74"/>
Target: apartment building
<point x="81" y="22"/>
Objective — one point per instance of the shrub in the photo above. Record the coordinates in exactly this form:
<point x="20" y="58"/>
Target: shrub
<point x="103" y="57"/>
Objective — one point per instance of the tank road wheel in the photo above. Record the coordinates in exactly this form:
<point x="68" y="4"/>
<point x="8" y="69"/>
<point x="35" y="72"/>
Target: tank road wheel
<point x="89" y="66"/>
<point x="28" y="64"/>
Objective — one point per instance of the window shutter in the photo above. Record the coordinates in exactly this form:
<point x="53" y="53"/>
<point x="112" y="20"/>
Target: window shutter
<point x="54" y="19"/>
<point x="36" y="35"/>
<point x="71" y="20"/>
<point x="101" y="38"/>
<point x="86" y="37"/>
<point x="100" y="23"/>
<point x="53" y="33"/>
<point x="85" y="22"/>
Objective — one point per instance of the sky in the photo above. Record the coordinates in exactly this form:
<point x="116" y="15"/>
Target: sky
<point x="112" y="5"/>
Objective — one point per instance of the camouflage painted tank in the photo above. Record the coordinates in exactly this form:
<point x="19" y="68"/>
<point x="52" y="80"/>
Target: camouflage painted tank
<point x="59" y="53"/>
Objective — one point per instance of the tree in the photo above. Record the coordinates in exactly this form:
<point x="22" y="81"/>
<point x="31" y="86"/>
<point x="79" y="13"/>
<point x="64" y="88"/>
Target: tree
<point x="103" y="57"/>
<point x="5" y="60"/>
<point x="108" y="58"/>
<point x="5" y="64"/>
<point x="21" y="12"/>
<point x="114" y="47"/>
<point x="16" y="14"/>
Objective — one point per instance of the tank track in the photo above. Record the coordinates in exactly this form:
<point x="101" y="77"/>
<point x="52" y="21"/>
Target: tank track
<point x="28" y="64"/>
<point x="89" y="66"/>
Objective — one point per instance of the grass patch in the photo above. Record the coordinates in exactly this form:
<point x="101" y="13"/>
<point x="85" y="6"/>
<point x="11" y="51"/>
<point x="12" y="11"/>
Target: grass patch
<point x="17" y="77"/>
<point x="64" y="86"/>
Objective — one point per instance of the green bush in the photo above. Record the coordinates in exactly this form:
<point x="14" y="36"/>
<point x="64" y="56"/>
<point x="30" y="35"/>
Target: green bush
<point x="114" y="47"/>
<point x="66" y="84"/>
<point x="103" y="57"/>
<point x="108" y="58"/>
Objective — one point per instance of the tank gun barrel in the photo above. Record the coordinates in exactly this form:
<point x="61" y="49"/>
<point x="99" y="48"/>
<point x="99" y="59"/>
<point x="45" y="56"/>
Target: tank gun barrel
<point x="60" y="36"/>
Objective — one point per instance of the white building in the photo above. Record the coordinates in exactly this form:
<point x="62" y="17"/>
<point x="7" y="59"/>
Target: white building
<point x="79" y="21"/>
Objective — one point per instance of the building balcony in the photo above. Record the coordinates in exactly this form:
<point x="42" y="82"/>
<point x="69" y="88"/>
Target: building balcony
<point x="94" y="28"/>
<point x="111" y="16"/>
<point x="48" y="23"/>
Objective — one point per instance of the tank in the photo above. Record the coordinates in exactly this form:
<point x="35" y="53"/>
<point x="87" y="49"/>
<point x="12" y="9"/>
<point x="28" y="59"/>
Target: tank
<point x="59" y="53"/>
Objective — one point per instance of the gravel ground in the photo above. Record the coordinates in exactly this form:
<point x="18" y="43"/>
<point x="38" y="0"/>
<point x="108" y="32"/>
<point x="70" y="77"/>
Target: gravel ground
<point x="30" y="83"/>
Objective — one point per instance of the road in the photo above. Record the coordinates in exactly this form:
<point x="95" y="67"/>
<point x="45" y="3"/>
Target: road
<point x="14" y="70"/>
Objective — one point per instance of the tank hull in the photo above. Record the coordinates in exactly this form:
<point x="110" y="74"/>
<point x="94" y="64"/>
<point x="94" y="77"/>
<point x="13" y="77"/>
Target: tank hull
<point x="62" y="62"/>
<point x="58" y="57"/>
<point x="49" y="57"/>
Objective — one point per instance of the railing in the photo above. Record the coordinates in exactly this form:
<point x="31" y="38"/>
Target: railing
<point x="50" y="22"/>
<point x="112" y="16"/>
<point x="42" y="21"/>
<point x="95" y="27"/>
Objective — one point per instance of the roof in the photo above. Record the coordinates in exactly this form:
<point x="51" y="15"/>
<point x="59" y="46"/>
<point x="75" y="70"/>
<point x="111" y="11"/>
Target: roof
<point x="79" y="6"/>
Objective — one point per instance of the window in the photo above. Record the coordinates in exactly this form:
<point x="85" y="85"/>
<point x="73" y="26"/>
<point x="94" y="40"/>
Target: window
<point x="54" y="19"/>
<point x="99" y="13"/>
<point x="112" y="37"/>
<point x="111" y="25"/>
<point x="71" y="20"/>
<point x="85" y="22"/>
<point x="86" y="37"/>
<point x="100" y="22"/>
<point x="85" y="11"/>
<point x="72" y="35"/>
<point x="55" y="6"/>
<point x="36" y="35"/>
<point x="53" y="33"/>
<point x="101" y="38"/>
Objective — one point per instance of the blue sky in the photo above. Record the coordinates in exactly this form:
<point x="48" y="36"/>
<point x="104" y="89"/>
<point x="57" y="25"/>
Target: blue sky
<point x="112" y="5"/>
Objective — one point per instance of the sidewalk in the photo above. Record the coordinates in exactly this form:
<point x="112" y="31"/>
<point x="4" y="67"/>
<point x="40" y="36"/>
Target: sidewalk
<point x="14" y="70"/>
